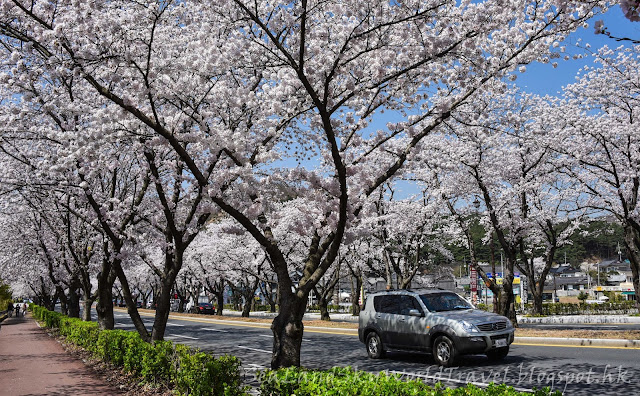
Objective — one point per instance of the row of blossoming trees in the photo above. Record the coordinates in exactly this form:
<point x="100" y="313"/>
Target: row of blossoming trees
<point x="167" y="142"/>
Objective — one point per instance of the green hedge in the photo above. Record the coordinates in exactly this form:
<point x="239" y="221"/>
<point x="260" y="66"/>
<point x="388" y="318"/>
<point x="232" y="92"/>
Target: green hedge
<point x="625" y="307"/>
<point x="190" y="371"/>
<point x="345" y="381"/>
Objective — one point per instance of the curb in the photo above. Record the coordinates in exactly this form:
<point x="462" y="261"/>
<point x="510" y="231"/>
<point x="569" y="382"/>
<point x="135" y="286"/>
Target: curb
<point x="605" y="343"/>
<point x="579" y="319"/>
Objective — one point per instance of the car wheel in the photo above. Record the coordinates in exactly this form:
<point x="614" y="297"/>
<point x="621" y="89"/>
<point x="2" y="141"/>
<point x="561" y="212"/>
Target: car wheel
<point x="498" y="353"/>
<point x="375" y="349"/>
<point x="444" y="352"/>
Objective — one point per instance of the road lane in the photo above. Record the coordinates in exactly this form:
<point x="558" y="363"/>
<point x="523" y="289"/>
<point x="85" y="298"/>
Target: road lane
<point x="573" y="370"/>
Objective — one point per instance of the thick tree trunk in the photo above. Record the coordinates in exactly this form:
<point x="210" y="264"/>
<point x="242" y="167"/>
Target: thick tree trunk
<point x="163" y="305"/>
<point x="219" y="293"/>
<point x="73" y="302"/>
<point x="104" y="307"/>
<point x="86" y="308"/>
<point x="323" y="304"/>
<point x="536" y="294"/>
<point x="287" y="330"/>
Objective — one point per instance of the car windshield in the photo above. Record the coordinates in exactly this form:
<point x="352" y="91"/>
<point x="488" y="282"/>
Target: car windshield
<point x="439" y="302"/>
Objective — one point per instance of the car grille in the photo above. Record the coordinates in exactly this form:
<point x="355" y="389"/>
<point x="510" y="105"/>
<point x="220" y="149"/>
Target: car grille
<point x="495" y="326"/>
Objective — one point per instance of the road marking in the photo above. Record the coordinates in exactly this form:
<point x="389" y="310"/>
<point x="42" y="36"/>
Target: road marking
<point x="265" y="335"/>
<point x="339" y="332"/>
<point x="253" y="349"/>
<point x="252" y="366"/>
<point x="183" y="336"/>
<point x="578" y="325"/>
<point x="574" y="346"/>
<point x="124" y="324"/>
<point x="221" y="331"/>
<point x="174" y="324"/>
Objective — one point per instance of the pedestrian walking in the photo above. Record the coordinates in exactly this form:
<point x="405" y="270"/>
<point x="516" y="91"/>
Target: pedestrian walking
<point x="17" y="310"/>
<point x="24" y="308"/>
<point x="10" y="309"/>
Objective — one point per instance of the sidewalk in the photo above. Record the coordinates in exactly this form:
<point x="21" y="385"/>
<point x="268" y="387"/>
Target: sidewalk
<point x="32" y="363"/>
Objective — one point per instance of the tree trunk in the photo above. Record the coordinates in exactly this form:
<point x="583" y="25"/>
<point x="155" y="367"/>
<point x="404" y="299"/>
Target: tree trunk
<point x="536" y="294"/>
<point x="323" y="303"/>
<point x="104" y="307"/>
<point x="249" y="296"/>
<point x="246" y="307"/>
<point x="287" y="330"/>
<point x="267" y="292"/>
<point x="64" y="309"/>
<point x="356" y="287"/>
<point x="219" y="293"/>
<point x="506" y="300"/>
<point x="163" y="305"/>
<point x="86" y="308"/>
<point x="73" y="301"/>
<point x="632" y="246"/>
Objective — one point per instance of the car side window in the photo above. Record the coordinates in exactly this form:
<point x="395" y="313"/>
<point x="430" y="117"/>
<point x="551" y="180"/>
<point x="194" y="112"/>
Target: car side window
<point x="408" y="303"/>
<point x="387" y="304"/>
<point x="395" y="304"/>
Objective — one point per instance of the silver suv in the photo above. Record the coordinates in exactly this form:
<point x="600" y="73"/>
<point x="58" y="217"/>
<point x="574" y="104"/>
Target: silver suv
<point x="439" y="322"/>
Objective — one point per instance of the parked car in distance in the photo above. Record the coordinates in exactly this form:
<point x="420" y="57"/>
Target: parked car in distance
<point x="439" y="322"/>
<point x="203" y="308"/>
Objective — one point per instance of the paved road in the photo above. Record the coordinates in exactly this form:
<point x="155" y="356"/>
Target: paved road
<point x="572" y="370"/>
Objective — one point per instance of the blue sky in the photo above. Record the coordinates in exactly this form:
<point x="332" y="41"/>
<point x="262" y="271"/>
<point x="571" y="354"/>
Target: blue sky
<point x="544" y="79"/>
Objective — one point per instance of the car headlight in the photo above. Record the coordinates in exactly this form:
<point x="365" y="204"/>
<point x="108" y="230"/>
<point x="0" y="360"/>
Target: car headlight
<point x="468" y="327"/>
<point x="509" y="324"/>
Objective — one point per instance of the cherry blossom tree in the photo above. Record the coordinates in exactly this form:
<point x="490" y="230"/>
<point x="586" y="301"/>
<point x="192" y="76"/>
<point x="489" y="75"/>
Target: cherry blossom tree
<point x="602" y="144"/>
<point x="233" y="87"/>
<point x="500" y="151"/>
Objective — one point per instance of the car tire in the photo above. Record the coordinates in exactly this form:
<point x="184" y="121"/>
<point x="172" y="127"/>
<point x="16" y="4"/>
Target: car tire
<point x="375" y="349"/>
<point x="444" y="351"/>
<point x="498" y="353"/>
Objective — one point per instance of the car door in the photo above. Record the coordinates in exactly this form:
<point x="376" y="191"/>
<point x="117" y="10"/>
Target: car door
<point x="409" y="331"/>
<point x="386" y="317"/>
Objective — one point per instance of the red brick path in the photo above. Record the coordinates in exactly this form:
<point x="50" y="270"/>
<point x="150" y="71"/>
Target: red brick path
<point x="32" y="363"/>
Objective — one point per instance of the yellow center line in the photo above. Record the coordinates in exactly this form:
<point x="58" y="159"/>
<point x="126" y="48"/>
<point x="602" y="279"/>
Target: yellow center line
<point x="241" y="324"/>
<point x="341" y="332"/>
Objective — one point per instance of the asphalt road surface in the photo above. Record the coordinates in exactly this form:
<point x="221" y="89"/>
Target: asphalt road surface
<point x="573" y="370"/>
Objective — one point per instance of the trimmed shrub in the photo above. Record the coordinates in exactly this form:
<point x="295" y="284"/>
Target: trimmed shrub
<point x="196" y="373"/>
<point x="345" y="381"/>
<point x="83" y="334"/>
<point x="190" y="371"/>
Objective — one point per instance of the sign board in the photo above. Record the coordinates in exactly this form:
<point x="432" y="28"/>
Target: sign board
<point x="473" y="281"/>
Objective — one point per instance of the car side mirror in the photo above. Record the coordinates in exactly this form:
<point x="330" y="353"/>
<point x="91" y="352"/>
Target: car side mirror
<point x="415" y="312"/>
